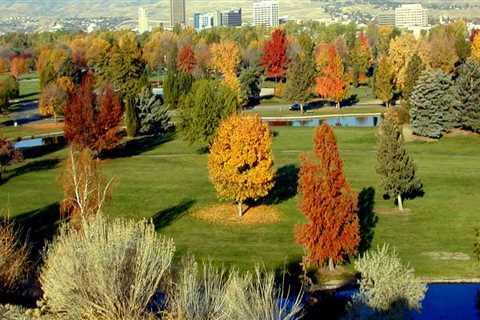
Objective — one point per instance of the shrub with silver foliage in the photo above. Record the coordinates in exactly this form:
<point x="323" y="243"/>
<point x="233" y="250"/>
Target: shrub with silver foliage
<point x="107" y="270"/>
<point x="387" y="286"/>
<point x="255" y="296"/>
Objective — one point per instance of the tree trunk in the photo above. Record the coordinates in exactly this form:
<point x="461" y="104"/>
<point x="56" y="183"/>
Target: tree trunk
<point x="400" y="203"/>
<point x="338" y="105"/>
<point x="240" y="209"/>
<point x="301" y="108"/>
<point x="331" y="266"/>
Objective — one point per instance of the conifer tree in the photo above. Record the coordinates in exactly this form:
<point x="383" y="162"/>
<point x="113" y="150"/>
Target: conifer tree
<point x="384" y="78"/>
<point x="433" y="102"/>
<point x="332" y="232"/>
<point x="467" y="88"/>
<point x="394" y="165"/>
<point x="240" y="163"/>
<point x="300" y="80"/>
<point x="202" y="110"/>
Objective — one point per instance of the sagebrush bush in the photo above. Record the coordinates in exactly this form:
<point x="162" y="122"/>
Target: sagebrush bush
<point x="198" y="292"/>
<point x="10" y="312"/>
<point x="13" y="257"/>
<point x="387" y="286"/>
<point x="255" y="296"/>
<point x="109" y="269"/>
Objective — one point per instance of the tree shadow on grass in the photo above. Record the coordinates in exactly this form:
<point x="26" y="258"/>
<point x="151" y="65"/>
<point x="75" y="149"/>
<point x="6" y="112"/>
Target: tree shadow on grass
<point x="166" y="217"/>
<point x="286" y="185"/>
<point x="138" y="146"/>
<point x="367" y="218"/>
<point x="32" y="166"/>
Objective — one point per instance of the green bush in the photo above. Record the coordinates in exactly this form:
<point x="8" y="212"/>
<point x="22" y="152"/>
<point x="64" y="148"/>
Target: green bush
<point x="108" y="270"/>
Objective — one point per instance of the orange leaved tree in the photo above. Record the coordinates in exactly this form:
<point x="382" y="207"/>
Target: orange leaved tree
<point x="332" y="232"/>
<point x="93" y="121"/>
<point x="18" y="66"/>
<point x="186" y="60"/>
<point x="240" y="163"/>
<point x="333" y="83"/>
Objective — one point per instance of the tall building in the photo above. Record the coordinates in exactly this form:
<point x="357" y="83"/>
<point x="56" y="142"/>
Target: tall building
<point x="265" y="13"/>
<point x="203" y="21"/>
<point x="177" y="12"/>
<point x="142" y="20"/>
<point x="411" y="15"/>
<point x="386" y="19"/>
<point x="230" y="18"/>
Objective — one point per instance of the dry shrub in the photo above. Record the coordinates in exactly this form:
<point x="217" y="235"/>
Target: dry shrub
<point x="13" y="257"/>
<point x="107" y="270"/>
<point x="255" y="296"/>
<point x="227" y="215"/>
<point x="10" y="312"/>
<point x="198" y="292"/>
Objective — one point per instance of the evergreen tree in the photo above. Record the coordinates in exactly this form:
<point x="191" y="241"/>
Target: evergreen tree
<point x="384" y="78"/>
<point x="394" y="165"/>
<point x="414" y="69"/>
<point x="176" y="85"/>
<point x="250" y="82"/>
<point x="202" y="110"/>
<point x="300" y="80"/>
<point x="433" y="102"/>
<point x="154" y="116"/>
<point x="467" y="89"/>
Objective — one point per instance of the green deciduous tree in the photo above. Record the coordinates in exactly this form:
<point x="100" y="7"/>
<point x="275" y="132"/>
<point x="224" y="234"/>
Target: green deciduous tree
<point x="433" y="102"/>
<point x="8" y="90"/>
<point x="467" y="89"/>
<point x="202" y="110"/>
<point x="250" y="82"/>
<point x="176" y="85"/>
<point x="394" y="165"/>
<point x="300" y="79"/>
<point x="414" y="69"/>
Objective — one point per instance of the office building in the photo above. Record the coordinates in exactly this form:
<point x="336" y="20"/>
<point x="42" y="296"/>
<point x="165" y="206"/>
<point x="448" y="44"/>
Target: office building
<point x="230" y="18"/>
<point x="177" y="12"/>
<point x="265" y="13"/>
<point x="203" y="21"/>
<point x="143" y="21"/>
<point x="411" y="15"/>
<point x="386" y="19"/>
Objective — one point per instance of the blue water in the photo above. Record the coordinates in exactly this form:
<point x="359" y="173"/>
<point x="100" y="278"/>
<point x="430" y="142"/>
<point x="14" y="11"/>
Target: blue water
<point x="359" y="122"/>
<point x="444" y="301"/>
<point x="29" y="143"/>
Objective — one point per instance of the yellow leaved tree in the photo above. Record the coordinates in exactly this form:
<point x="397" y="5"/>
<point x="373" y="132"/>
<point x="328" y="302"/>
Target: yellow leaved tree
<point x="476" y="47"/>
<point x="240" y="163"/>
<point x="225" y="59"/>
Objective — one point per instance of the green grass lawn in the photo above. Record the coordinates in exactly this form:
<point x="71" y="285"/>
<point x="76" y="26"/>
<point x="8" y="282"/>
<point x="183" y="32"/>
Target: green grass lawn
<point x="164" y="181"/>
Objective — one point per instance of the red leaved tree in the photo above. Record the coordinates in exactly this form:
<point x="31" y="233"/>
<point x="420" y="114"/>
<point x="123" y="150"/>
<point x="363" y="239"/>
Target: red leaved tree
<point x="275" y="60"/>
<point x="186" y="60"/>
<point x="92" y="121"/>
<point x="332" y="232"/>
<point x="333" y="83"/>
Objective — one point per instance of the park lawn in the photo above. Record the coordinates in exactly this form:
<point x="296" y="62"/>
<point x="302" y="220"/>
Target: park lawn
<point x="166" y="180"/>
<point x="284" y="112"/>
<point x="30" y="130"/>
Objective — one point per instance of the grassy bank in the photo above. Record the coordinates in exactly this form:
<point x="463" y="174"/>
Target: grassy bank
<point x="165" y="179"/>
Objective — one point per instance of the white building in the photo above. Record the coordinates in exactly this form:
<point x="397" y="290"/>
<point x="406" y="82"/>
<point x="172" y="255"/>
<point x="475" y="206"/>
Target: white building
<point x="265" y="13"/>
<point x="203" y="21"/>
<point x="410" y="16"/>
<point x="143" y="20"/>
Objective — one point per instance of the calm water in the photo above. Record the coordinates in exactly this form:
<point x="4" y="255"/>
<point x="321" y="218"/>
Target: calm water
<point x="39" y="142"/>
<point x="361" y="122"/>
<point x="445" y="301"/>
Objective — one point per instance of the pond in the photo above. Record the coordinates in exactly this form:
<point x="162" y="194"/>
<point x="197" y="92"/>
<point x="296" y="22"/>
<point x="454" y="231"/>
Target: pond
<point x="40" y="142"/>
<point x="444" y="301"/>
<point x="349" y="121"/>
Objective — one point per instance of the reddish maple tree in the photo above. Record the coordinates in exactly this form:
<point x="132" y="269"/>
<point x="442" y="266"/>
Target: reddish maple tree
<point x="186" y="60"/>
<point x="92" y="120"/>
<point x="275" y="60"/>
<point x="333" y="83"/>
<point x="332" y="232"/>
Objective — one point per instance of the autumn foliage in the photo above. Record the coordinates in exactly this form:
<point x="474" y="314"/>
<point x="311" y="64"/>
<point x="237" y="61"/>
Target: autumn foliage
<point x="333" y="83"/>
<point x="240" y="163"/>
<point x="18" y="66"/>
<point x="225" y="57"/>
<point x="332" y="231"/>
<point x="275" y="60"/>
<point x="92" y="120"/>
<point x="186" y="60"/>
